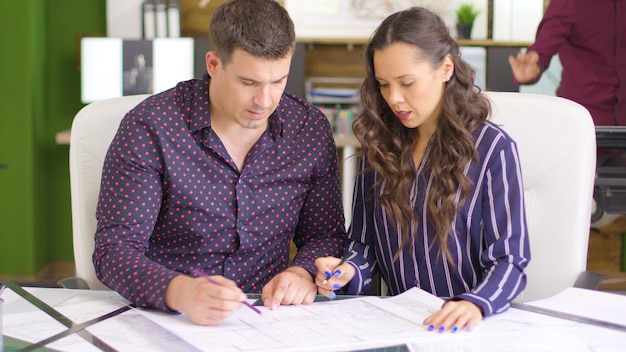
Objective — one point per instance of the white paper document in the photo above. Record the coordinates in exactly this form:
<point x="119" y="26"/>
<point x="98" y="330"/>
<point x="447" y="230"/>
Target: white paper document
<point x="345" y="324"/>
<point x="339" y="325"/>
<point x="587" y="303"/>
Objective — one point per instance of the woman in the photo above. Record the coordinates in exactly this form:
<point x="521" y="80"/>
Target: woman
<point x="439" y="198"/>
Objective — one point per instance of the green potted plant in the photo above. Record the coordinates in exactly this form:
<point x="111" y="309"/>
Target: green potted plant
<point x="465" y="16"/>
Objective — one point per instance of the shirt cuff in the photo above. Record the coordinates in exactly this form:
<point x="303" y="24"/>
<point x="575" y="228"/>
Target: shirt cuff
<point x="355" y="285"/>
<point x="484" y="305"/>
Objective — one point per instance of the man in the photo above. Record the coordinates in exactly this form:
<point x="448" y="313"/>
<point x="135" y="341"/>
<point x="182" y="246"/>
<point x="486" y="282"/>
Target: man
<point x="590" y="38"/>
<point x="215" y="176"/>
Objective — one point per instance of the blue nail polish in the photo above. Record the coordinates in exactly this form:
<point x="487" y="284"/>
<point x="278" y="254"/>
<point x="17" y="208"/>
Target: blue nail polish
<point x="336" y="286"/>
<point x="337" y="273"/>
<point x="431" y="327"/>
<point x="455" y="329"/>
<point x="441" y="329"/>
<point x="328" y="274"/>
<point x="332" y="295"/>
<point x="468" y="327"/>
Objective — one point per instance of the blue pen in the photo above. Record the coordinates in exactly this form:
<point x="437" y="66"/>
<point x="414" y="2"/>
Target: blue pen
<point x="336" y="272"/>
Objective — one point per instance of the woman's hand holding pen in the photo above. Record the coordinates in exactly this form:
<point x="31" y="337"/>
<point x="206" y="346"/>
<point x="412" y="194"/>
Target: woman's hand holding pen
<point x="205" y="302"/>
<point x="332" y="274"/>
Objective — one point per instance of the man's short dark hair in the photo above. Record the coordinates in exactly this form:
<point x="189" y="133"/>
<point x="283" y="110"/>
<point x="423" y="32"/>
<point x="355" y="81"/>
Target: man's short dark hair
<point x="262" y="28"/>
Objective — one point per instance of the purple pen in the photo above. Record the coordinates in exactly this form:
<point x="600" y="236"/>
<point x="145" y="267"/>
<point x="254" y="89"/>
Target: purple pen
<point x="209" y="279"/>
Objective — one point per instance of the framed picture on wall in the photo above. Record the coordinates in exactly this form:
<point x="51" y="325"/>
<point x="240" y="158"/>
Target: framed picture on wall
<point x="112" y="67"/>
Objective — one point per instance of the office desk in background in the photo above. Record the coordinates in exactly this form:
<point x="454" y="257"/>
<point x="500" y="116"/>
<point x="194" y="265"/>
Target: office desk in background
<point x="362" y="323"/>
<point x="610" y="183"/>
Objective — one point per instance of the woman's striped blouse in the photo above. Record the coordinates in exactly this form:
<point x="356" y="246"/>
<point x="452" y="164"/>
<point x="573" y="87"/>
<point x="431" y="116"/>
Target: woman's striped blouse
<point x="489" y="241"/>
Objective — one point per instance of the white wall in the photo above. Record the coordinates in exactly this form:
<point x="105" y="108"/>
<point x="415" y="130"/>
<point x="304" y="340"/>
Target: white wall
<point x="516" y="20"/>
<point x="338" y="19"/>
<point x="124" y="19"/>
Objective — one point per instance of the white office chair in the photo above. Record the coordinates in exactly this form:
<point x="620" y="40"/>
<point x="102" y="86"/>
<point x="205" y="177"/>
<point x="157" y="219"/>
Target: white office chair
<point x="92" y="131"/>
<point x="556" y="141"/>
<point x="557" y="148"/>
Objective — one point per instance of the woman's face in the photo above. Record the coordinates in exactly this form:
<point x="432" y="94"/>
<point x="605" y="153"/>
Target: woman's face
<point x="410" y="85"/>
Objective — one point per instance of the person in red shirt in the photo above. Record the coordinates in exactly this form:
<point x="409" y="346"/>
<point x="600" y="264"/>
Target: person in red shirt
<point x="590" y="38"/>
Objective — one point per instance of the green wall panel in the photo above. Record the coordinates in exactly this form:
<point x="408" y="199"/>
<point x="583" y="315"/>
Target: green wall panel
<point x="20" y="90"/>
<point x="39" y="95"/>
<point x="66" y="21"/>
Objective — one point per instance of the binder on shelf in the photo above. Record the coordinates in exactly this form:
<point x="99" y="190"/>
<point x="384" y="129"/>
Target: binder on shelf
<point x="160" y="10"/>
<point x="339" y="95"/>
<point x="338" y="98"/>
<point x="343" y="122"/>
<point x="161" y="19"/>
<point x="330" y="90"/>
<point x="173" y="19"/>
<point x="148" y="15"/>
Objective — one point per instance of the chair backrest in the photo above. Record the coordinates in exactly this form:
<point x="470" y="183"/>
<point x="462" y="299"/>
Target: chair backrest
<point x="93" y="129"/>
<point x="557" y="148"/>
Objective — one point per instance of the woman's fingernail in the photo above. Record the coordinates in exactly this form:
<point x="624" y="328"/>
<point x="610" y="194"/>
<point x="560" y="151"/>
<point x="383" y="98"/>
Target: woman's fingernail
<point x="441" y="329"/>
<point x="336" y="286"/>
<point x="332" y="295"/>
<point x="468" y="327"/>
<point x="337" y="273"/>
<point x="328" y="274"/>
<point x="455" y="329"/>
<point x="431" y="327"/>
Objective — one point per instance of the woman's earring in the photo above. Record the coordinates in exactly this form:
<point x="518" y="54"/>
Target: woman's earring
<point x="448" y="79"/>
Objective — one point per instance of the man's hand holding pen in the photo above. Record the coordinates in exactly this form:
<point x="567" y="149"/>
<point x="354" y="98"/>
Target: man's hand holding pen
<point x="333" y="273"/>
<point x="205" y="302"/>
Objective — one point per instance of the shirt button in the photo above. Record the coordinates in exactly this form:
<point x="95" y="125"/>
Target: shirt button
<point x="240" y="181"/>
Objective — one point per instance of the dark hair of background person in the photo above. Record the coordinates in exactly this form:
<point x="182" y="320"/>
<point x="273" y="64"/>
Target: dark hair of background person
<point x="388" y="145"/>
<point x="262" y="28"/>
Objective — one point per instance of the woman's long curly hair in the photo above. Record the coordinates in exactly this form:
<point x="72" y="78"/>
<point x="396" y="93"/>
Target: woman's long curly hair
<point x="388" y="145"/>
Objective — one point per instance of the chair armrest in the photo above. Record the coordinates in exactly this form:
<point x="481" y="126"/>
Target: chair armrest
<point x="74" y="283"/>
<point x="589" y="280"/>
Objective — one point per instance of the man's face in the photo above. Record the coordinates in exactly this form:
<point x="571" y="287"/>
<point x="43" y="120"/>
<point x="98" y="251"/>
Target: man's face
<point x="246" y="90"/>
